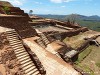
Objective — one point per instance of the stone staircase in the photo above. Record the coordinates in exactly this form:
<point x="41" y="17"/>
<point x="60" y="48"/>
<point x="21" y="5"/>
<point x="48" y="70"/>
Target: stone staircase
<point x="44" y="38"/>
<point x="40" y="42"/>
<point x="23" y="57"/>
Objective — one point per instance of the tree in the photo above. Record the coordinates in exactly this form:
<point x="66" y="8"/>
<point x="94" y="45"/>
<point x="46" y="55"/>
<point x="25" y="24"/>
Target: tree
<point x="30" y="12"/>
<point x="72" y="18"/>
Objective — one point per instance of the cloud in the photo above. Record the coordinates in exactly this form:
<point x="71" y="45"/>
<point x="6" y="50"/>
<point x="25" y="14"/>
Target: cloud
<point x="63" y="6"/>
<point x="60" y="1"/>
<point x="38" y="2"/>
<point x="15" y="2"/>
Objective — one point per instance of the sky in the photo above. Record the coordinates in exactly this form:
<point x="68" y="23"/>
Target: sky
<point x="59" y="7"/>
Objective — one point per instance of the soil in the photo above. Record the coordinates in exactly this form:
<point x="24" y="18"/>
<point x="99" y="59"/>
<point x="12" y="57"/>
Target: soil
<point x="8" y="62"/>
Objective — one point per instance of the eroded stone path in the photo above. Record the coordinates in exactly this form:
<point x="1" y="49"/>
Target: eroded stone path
<point x="52" y="64"/>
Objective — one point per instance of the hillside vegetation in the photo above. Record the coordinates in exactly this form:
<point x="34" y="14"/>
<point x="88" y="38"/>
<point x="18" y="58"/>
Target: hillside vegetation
<point x="94" y="25"/>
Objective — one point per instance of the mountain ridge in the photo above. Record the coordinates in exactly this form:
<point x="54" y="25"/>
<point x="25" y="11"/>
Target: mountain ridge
<point x="76" y="16"/>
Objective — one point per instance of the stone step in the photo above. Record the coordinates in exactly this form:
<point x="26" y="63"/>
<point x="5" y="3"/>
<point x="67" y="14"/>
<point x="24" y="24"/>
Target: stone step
<point x="33" y="69"/>
<point x="33" y="73"/>
<point x="29" y="68"/>
<point x="11" y="31"/>
<point x="22" y="54"/>
<point x="18" y="45"/>
<point x="13" y="40"/>
<point x="26" y="64"/>
<point x="40" y="42"/>
<point x="20" y="51"/>
<point x="43" y="36"/>
<point x="15" y="44"/>
<point x="26" y="58"/>
<point x="25" y="61"/>
<point x="46" y="41"/>
<point x="12" y="37"/>
<point x="17" y="48"/>
<point x="14" y="34"/>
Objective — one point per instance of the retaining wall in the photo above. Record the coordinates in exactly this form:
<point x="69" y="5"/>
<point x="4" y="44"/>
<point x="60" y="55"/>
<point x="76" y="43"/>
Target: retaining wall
<point x="20" y="24"/>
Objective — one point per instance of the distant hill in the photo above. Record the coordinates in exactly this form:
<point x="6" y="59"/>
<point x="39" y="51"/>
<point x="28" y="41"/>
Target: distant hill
<point x="76" y="16"/>
<point x="52" y="16"/>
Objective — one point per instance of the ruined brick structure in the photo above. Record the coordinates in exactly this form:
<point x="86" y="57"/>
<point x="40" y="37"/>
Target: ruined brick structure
<point x="20" y="24"/>
<point x="43" y="57"/>
<point x="16" y="19"/>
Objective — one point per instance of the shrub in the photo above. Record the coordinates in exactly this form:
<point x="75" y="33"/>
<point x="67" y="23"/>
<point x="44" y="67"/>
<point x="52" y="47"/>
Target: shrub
<point x="6" y="9"/>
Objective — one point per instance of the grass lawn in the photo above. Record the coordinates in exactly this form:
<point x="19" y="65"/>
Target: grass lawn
<point x="89" y="60"/>
<point x="85" y="53"/>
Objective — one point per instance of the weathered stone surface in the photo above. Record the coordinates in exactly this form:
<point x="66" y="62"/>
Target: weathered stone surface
<point x="52" y="64"/>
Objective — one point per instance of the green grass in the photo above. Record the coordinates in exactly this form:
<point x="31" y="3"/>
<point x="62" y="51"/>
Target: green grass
<point x="94" y="25"/>
<point x="85" y="68"/>
<point x="74" y="41"/>
<point x="92" y="53"/>
<point x="85" y="53"/>
<point x="81" y="57"/>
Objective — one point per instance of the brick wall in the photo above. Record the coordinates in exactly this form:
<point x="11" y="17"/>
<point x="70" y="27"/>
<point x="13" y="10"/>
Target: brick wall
<point x="20" y="24"/>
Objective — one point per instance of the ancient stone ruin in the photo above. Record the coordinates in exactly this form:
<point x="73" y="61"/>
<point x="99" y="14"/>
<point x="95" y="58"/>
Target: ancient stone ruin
<point x="30" y="47"/>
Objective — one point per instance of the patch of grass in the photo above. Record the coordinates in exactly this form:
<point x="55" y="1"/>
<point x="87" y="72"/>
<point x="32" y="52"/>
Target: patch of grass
<point x="98" y="65"/>
<point x="94" y="25"/>
<point x="90" y="54"/>
<point x="85" y="68"/>
<point x="85" y="53"/>
<point x="74" y="41"/>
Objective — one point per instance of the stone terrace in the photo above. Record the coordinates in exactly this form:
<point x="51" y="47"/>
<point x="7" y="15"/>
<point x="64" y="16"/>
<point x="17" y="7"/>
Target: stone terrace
<point x="20" y="24"/>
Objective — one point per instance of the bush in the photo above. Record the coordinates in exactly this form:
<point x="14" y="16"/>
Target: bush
<point x="6" y="9"/>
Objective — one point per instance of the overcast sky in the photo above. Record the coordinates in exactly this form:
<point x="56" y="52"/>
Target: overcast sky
<point x="62" y="7"/>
